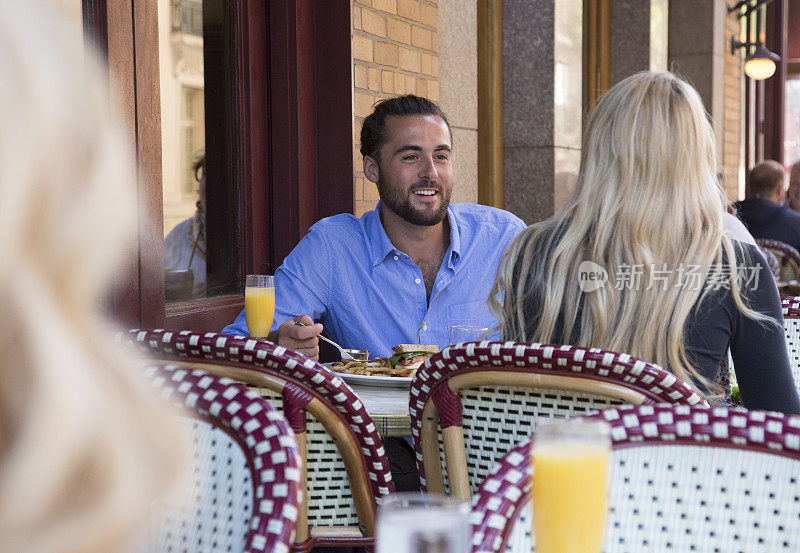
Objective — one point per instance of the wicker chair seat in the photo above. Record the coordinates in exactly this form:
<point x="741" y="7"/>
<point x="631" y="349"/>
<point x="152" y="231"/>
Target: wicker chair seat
<point x="681" y="479"/>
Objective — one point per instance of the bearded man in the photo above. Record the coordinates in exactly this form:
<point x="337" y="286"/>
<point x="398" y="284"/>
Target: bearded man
<point x="405" y="272"/>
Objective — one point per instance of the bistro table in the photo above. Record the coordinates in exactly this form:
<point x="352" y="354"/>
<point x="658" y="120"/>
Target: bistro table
<point x="388" y="407"/>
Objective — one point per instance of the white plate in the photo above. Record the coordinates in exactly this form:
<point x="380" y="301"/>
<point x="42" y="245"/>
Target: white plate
<point x="377" y="380"/>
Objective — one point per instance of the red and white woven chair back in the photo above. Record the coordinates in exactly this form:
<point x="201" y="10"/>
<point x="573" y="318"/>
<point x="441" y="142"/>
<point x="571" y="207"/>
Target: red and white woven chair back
<point x="494" y="417"/>
<point x="329" y="490"/>
<point x="681" y="479"/>
<point x="245" y="472"/>
<point x="791" y="328"/>
<point x="788" y="258"/>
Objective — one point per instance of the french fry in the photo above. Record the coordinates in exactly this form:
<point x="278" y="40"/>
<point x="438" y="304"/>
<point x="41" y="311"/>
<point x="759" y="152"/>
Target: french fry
<point x="375" y="367"/>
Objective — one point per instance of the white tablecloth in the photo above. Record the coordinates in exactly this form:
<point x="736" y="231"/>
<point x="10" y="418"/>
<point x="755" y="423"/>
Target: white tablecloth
<point x="383" y="400"/>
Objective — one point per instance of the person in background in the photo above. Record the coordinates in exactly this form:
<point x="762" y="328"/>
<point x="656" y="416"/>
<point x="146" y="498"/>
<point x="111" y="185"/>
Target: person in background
<point x="185" y="245"/>
<point x="83" y="446"/>
<point x="765" y="214"/>
<point x="678" y="290"/>
<point x="793" y="193"/>
<point x="406" y="271"/>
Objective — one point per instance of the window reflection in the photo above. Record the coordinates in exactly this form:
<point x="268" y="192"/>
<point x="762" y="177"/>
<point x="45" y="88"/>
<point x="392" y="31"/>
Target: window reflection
<point x="183" y="147"/>
<point x="187" y="16"/>
<point x="199" y="132"/>
<point x="185" y="247"/>
<point x="791" y="140"/>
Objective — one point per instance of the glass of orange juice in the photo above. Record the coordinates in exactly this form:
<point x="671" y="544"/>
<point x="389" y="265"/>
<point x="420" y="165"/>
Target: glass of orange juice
<point x="570" y="485"/>
<point x="259" y="304"/>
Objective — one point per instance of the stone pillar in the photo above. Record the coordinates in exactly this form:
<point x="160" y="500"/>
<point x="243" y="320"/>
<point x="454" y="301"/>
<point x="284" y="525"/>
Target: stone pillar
<point x="630" y="39"/>
<point x="697" y="52"/>
<point x="458" y="77"/>
<point x="542" y="94"/>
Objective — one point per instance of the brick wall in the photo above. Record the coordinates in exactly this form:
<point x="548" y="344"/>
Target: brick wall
<point x="395" y="51"/>
<point x="731" y="141"/>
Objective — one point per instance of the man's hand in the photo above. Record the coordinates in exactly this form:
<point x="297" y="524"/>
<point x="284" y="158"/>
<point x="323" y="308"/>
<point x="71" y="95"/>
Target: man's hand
<point x="302" y="339"/>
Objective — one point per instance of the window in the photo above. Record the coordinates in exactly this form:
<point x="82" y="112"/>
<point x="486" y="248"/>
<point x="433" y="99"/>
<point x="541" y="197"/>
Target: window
<point x="264" y="90"/>
<point x="201" y="222"/>
<point x="791" y="141"/>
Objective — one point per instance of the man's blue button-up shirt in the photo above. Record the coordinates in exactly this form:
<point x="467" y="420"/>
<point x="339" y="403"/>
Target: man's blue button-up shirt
<point x="346" y="274"/>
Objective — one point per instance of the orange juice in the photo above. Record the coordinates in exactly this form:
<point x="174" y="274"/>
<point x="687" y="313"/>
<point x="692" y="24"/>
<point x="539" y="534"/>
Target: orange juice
<point x="259" y="310"/>
<point x="569" y="497"/>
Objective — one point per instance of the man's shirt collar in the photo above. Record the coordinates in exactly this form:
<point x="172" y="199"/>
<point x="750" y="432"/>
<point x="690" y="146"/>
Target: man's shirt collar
<point x="380" y="246"/>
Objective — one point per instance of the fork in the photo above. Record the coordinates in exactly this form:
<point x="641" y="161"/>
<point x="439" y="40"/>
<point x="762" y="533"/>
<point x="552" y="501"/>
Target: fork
<point x="345" y="355"/>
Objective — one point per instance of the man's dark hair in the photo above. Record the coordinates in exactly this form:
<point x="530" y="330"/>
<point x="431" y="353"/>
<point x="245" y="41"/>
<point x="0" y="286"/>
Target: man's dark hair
<point x="765" y="176"/>
<point x="373" y="130"/>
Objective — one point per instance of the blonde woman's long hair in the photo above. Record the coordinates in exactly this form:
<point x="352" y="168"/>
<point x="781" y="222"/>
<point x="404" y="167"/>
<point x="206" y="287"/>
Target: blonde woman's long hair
<point x="647" y="201"/>
<point x="83" y="447"/>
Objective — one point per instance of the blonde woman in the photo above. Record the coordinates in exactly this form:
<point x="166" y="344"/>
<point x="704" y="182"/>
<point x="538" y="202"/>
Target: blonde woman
<point x="638" y="260"/>
<point x="83" y="449"/>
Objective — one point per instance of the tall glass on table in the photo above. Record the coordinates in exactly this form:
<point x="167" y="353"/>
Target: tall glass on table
<point x="570" y="485"/>
<point x="259" y="304"/>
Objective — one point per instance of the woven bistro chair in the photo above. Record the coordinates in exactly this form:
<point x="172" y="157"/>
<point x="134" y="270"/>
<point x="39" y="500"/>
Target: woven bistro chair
<point x="244" y="475"/>
<point x="470" y="403"/>
<point x="681" y="478"/>
<point x="788" y="258"/>
<point x="791" y="328"/>
<point x="772" y="263"/>
<point x="346" y="470"/>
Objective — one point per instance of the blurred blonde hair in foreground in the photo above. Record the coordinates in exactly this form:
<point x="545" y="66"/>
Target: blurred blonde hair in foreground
<point x="83" y="448"/>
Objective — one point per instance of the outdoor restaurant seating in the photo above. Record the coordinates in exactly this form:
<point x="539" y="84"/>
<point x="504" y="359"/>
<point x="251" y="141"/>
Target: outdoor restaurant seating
<point x="244" y="473"/>
<point x="471" y="403"/>
<point x="788" y="258"/>
<point x="346" y="470"/>
<point x="681" y="478"/>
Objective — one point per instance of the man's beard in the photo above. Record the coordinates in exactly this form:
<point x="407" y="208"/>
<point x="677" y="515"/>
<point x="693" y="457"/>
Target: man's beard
<point x="400" y="203"/>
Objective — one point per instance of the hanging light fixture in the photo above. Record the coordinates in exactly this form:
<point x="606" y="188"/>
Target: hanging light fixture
<point x="761" y="63"/>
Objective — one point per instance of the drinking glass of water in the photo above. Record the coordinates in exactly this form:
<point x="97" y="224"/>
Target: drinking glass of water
<point x="463" y="333"/>
<point x="422" y="523"/>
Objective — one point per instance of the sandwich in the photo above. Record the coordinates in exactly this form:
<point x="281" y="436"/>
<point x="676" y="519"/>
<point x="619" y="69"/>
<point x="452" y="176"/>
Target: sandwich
<point x="411" y="356"/>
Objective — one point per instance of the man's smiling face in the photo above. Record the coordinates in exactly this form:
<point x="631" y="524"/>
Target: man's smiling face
<point x="414" y="172"/>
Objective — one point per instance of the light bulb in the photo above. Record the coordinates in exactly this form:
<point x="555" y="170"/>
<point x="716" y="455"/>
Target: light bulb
<point x="761" y="64"/>
<point x="759" y="68"/>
